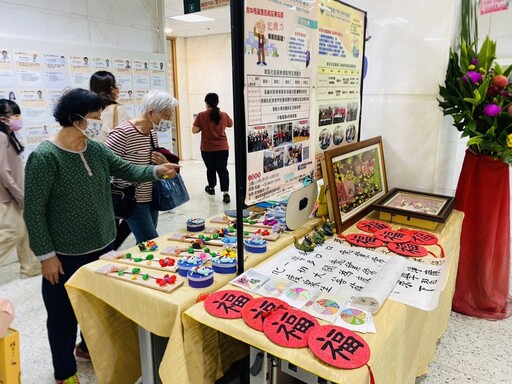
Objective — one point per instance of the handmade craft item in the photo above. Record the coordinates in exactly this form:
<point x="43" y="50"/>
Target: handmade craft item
<point x="372" y="225"/>
<point x="200" y="277"/>
<point x="147" y="246"/>
<point x="195" y="225"/>
<point x="307" y="244"/>
<point x="186" y="263"/>
<point x="256" y="244"/>
<point x="224" y="264"/>
<point x="289" y="327"/>
<point x="227" y="304"/>
<point x="256" y="310"/>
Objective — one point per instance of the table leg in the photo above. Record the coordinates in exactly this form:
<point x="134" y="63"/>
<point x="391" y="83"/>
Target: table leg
<point x="152" y="349"/>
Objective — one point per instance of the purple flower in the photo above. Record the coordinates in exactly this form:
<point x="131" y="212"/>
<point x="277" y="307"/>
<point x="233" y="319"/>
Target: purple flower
<point x="492" y="110"/>
<point x="474" y="61"/>
<point x="475" y="77"/>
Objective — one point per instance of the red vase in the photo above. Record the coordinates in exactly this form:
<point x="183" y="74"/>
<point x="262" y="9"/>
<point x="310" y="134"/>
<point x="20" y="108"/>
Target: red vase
<point x="483" y="277"/>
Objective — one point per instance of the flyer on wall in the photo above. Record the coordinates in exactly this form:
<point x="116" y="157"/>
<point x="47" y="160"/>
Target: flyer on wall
<point x="56" y="71"/>
<point x="341" y="35"/>
<point x="33" y="104"/>
<point x="123" y="74"/>
<point x="80" y="71"/>
<point x="278" y="40"/>
<point x="157" y="74"/>
<point x="6" y="70"/>
<point x="101" y="64"/>
<point x="28" y="69"/>
<point x="140" y="74"/>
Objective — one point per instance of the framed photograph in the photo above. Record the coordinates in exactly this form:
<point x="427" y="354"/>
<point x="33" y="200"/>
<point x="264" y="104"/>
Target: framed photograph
<point x="420" y="205"/>
<point x="356" y="176"/>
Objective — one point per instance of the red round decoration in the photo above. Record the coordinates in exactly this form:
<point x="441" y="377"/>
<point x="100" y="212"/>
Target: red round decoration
<point x="372" y="225"/>
<point x="338" y="347"/>
<point x="363" y="240"/>
<point x="202" y="296"/>
<point x="255" y="312"/>
<point x="408" y="249"/>
<point x="289" y="327"/>
<point x="226" y="304"/>
<point x="392" y="236"/>
<point x="422" y="237"/>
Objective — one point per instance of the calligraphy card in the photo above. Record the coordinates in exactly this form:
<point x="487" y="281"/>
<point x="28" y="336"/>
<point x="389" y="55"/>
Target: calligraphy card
<point x="274" y="287"/>
<point x="250" y="280"/>
<point x="297" y="295"/>
<point x="325" y="306"/>
<point x="353" y="318"/>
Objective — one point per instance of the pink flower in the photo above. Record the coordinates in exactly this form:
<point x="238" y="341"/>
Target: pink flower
<point x="474" y="61"/>
<point x="500" y="81"/>
<point x="492" y="110"/>
<point x="475" y="77"/>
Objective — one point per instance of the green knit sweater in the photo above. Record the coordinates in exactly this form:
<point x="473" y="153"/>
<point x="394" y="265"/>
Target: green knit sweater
<point x="68" y="203"/>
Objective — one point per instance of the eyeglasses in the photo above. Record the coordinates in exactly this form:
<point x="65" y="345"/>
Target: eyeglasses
<point x="168" y="117"/>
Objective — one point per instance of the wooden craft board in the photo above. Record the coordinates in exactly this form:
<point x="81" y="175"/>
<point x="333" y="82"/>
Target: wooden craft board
<point x="150" y="283"/>
<point x="153" y="264"/>
<point x="271" y="237"/>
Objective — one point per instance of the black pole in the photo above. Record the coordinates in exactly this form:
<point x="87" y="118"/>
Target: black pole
<point x="237" y="57"/>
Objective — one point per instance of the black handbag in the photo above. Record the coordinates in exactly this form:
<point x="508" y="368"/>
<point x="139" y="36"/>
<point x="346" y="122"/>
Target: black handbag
<point x="169" y="193"/>
<point x="123" y="200"/>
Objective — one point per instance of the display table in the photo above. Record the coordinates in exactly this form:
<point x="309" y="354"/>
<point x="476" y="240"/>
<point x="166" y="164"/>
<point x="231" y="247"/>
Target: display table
<point x="109" y="312"/>
<point x="401" y="350"/>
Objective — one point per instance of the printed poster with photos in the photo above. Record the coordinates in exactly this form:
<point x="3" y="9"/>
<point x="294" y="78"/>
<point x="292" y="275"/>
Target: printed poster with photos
<point x="339" y="69"/>
<point x="278" y="77"/>
<point x="303" y="75"/>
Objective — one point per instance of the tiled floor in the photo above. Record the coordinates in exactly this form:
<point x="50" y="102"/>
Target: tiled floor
<point x="471" y="351"/>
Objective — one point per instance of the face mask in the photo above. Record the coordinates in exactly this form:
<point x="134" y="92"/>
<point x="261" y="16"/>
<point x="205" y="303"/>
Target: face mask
<point x="92" y="128"/>
<point x="163" y="125"/>
<point x="15" y="124"/>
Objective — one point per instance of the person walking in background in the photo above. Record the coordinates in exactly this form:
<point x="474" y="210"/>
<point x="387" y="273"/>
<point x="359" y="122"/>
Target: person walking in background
<point x="103" y="83"/>
<point x="69" y="213"/>
<point x="134" y="140"/>
<point x="13" y="232"/>
<point x="212" y="124"/>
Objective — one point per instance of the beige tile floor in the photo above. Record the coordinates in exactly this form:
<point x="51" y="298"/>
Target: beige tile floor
<point x="471" y="351"/>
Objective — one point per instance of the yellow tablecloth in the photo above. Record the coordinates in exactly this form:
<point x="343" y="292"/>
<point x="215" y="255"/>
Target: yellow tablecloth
<point x="109" y="310"/>
<point x="401" y="350"/>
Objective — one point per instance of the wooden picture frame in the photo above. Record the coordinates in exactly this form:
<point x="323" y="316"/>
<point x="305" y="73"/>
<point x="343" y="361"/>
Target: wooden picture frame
<point x="420" y="205"/>
<point x="356" y="176"/>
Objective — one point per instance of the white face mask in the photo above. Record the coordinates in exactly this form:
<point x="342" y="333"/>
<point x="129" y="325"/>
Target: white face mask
<point x="163" y="125"/>
<point x="92" y="128"/>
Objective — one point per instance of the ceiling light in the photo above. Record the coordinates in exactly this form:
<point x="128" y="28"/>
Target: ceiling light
<point x="192" y="18"/>
<point x="168" y="30"/>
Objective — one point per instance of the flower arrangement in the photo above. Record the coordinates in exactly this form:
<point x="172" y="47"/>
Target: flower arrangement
<point x="478" y="95"/>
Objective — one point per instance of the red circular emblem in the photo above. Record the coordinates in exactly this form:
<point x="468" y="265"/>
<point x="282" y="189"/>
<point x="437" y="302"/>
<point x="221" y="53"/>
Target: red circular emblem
<point x="392" y="236"/>
<point x="226" y="304"/>
<point x="422" y="237"/>
<point x="338" y="347"/>
<point x="289" y="327"/>
<point x="257" y="310"/>
<point x="408" y="249"/>
<point x="363" y="240"/>
<point x="372" y="225"/>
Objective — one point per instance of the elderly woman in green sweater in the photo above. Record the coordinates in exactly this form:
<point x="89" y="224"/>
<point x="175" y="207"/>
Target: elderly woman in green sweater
<point x="69" y="214"/>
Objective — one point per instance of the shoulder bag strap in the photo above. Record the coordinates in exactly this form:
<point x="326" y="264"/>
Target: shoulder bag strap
<point x="115" y="117"/>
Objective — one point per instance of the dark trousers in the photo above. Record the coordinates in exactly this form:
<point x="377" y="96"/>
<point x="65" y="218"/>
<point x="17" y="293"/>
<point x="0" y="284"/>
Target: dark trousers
<point x="123" y="231"/>
<point x="217" y="163"/>
<point x="61" y="322"/>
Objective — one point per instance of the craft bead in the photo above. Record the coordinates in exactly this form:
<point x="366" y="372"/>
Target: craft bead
<point x="135" y="270"/>
<point x="145" y="276"/>
<point x="150" y="257"/>
<point x="190" y="250"/>
<point x="207" y="250"/>
<point x="128" y="255"/>
<point x="215" y="236"/>
<point x="137" y="259"/>
<point x="120" y="273"/>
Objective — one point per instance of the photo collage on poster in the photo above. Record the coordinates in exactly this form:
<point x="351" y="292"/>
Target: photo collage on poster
<point x="35" y="80"/>
<point x="303" y="69"/>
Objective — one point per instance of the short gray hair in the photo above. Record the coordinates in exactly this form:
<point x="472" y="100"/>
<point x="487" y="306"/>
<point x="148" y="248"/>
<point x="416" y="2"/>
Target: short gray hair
<point x="158" y="101"/>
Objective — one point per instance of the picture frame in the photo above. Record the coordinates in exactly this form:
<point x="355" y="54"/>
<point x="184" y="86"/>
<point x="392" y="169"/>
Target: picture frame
<point x="414" y="204"/>
<point x="356" y="175"/>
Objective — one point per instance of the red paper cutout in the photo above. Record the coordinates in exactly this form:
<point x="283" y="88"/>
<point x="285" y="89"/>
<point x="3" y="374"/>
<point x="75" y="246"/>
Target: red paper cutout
<point x="363" y="240"/>
<point x="226" y="304"/>
<point x="289" y="327"/>
<point x="338" y="347"/>
<point x="392" y="236"/>
<point x="408" y="249"/>
<point x="255" y="312"/>
<point x="372" y="225"/>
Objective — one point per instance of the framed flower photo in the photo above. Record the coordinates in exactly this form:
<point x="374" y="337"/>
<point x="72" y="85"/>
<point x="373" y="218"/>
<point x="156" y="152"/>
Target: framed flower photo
<point x="356" y="176"/>
<point x="414" y="204"/>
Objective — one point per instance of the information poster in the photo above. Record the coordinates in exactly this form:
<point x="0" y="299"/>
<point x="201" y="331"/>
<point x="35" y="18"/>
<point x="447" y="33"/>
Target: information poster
<point x="157" y="74"/>
<point x="303" y="78"/>
<point x="28" y="69"/>
<point x="278" y="74"/>
<point x="341" y="34"/>
<point x="56" y="71"/>
<point x="6" y="72"/>
<point x="80" y="71"/>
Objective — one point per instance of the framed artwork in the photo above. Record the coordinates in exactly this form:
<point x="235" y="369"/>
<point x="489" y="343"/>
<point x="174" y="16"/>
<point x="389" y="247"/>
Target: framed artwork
<point x="356" y="174"/>
<point x="420" y="205"/>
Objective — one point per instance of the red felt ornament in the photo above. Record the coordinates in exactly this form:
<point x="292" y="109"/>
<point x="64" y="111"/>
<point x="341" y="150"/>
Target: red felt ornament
<point x="408" y="249"/>
<point x="227" y="304"/>
<point x="289" y="327"/>
<point x="363" y="240"/>
<point x="257" y="310"/>
<point x="372" y="225"/>
<point x="392" y="236"/>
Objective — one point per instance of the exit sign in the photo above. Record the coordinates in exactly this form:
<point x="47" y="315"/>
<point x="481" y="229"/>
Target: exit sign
<point x="191" y="6"/>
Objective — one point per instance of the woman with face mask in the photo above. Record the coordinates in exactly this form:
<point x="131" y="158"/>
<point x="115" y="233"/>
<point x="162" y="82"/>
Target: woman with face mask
<point x="69" y="213"/>
<point x="134" y="141"/>
<point x="13" y="232"/>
